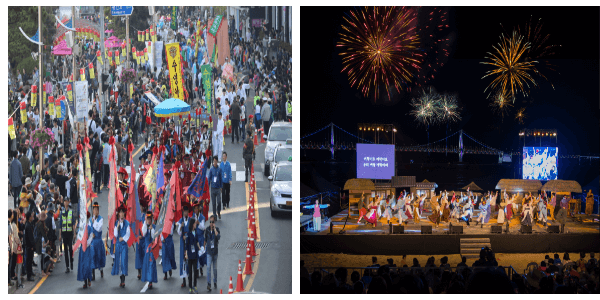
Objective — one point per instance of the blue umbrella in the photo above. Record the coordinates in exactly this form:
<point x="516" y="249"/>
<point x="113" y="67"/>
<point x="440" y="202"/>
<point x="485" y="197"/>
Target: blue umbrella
<point x="171" y="107"/>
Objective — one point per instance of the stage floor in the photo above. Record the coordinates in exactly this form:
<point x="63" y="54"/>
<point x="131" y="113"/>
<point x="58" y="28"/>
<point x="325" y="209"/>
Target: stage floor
<point x="582" y="224"/>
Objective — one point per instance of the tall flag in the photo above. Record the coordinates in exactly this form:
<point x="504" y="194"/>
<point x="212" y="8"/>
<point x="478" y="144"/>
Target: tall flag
<point x="174" y="206"/>
<point x="150" y="180"/>
<point x="196" y="188"/>
<point x="112" y="188"/>
<point x="175" y="74"/>
<point x="88" y="169"/>
<point x="82" y="233"/>
<point x="133" y="205"/>
<point x="160" y="175"/>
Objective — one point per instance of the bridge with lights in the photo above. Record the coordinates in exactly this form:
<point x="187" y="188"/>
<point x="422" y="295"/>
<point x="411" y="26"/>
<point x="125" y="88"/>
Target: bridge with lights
<point x="334" y="138"/>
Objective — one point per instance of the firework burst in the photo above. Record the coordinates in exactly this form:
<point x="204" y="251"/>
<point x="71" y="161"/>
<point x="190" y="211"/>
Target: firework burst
<point x="501" y="104"/>
<point x="539" y="47"/>
<point x="511" y="68"/>
<point x="521" y="115"/>
<point x="425" y="107"/>
<point x="380" y="48"/>
<point x="448" y="109"/>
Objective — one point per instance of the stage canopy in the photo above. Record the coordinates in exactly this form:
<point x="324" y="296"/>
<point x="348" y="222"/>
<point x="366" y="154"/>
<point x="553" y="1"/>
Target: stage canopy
<point x="556" y="186"/>
<point x="359" y="184"/>
<point x="473" y="187"/>
<point x="519" y="185"/>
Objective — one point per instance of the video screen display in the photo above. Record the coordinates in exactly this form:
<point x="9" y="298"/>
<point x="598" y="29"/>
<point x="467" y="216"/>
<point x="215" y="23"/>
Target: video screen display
<point x="540" y="163"/>
<point x="374" y="161"/>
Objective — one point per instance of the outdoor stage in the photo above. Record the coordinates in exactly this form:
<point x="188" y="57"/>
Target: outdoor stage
<point x="582" y="234"/>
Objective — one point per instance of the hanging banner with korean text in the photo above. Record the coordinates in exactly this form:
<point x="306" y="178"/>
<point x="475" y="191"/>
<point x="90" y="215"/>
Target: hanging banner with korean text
<point x="174" y="62"/>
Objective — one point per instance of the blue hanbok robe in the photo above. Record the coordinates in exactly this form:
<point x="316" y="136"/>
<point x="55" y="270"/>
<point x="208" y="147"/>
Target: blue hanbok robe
<point x="168" y="251"/>
<point x="120" y="266"/>
<point x="149" y="266"/>
<point x="484" y="214"/>
<point x="182" y="229"/>
<point x="98" y="254"/>
<point x="543" y="212"/>
<point x="84" y="264"/>
<point x="200" y="238"/>
<point x="140" y="251"/>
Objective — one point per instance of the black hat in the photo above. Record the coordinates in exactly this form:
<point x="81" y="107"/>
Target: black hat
<point x="95" y="204"/>
<point x="149" y="214"/>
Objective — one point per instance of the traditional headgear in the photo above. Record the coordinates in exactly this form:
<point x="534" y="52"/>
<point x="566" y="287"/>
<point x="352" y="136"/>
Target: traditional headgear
<point x="122" y="171"/>
<point x="149" y="214"/>
<point x="185" y="206"/>
<point x="96" y="205"/>
<point x="122" y="208"/>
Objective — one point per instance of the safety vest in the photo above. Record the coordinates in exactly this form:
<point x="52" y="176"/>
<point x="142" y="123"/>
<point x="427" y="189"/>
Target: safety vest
<point x="256" y="99"/>
<point x="67" y="223"/>
<point x="289" y="108"/>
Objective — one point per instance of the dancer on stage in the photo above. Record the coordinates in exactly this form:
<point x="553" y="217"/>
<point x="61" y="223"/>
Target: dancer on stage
<point x="149" y="264"/>
<point x="435" y="214"/>
<point x="168" y="253"/>
<point x="484" y="214"/>
<point x="455" y="203"/>
<point x="467" y="212"/>
<point x="99" y="253"/>
<point x="509" y="206"/>
<point x="445" y="207"/>
<point x="561" y="216"/>
<point x="551" y="206"/>
<point x="543" y="211"/>
<point x="589" y="203"/>
<point x="416" y="208"/>
<point x="388" y="204"/>
<point x="527" y="211"/>
<point x="401" y="207"/>
<point x="371" y="216"/>
<point x="362" y="210"/>
<point x="122" y="234"/>
<point x="182" y="230"/>
<point x="84" y="264"/>
<point x="501" y="209"/>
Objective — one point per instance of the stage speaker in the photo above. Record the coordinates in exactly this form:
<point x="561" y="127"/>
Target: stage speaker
<point x="496" y="229"/>
<point x="397" y="229"/>
<point x="525" y="229"/>
<point x="426" y="229"/>
<point x="553" y="229"/>
<point x="456" y="229"/>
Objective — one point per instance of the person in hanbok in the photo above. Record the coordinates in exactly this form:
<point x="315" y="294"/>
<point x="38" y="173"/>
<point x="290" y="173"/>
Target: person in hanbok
<point x="182" y="230"/>
<point x="372" y="214"/>
<point x="527" y="212"/>
<point x="401" y="207"/>
<point x="84" y="264"/>
<point x="589" y="203"/>
<point x="122" y="233"/>
<point x="99" y="253"/>
<point x="551" y="206"/>
<point x="388" y="204"/>
<point x="316" y="214"/>
<point x="362" y="209"/>
<point x="408" y="208"/>
<point x="543" y="211"/>
<point x="168" y="253"/>
<point x="445" y="207"/>
<point x="140" y="251"/>
<point x="435" y="210"/>
<point x="501" y="209"/>
<point x="149" y="264"/>
<point x="455" y="203"/>
<point x="509" y="207"/>
<point x="199" y="217"/>
<point x="467" y="212"/>
<point x="416" y="208"/>
<point x="484" y="214"/>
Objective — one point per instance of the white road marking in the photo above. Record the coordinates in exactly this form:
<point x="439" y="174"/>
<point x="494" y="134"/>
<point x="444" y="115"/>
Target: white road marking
<point x="240" y="175"/>
<point x="233" y="166"/>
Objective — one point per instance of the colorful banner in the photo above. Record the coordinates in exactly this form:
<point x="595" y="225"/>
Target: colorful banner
<point x="70" y="94"/>
<point x="174" y="18"/>
<point x="51" y="106"/>
<point x="99" y="55"/>
<point x="23" y="107"/>
<point x="147" y="34"/>
<point x="110" y="57"/>
<point x="214" y="53"/>
<point x="91" y="65"/>
<point x="33" y="95"/>
<point x="117" y="57"/>
<point x="63" y="108"/>
<point x="11" y="129"/>
<point x="131" y="90"/>
<point x="207" y="82"/>
<point x="139" y="36"/>
<point x="215" y="25"/>
<point x="134" y="52"/>
<point x="174" y="63"/>
<point x="44" y="95"/>
<point x="58" y="108"/>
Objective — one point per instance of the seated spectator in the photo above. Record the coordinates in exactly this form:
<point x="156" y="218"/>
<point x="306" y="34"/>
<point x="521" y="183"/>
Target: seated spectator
<point x="359" y="287"/>
<point x="463" y="263"/>
<point x="444" y="262"/>
<point x="341" y="274"/>
<point x="543" y="266"/>
<point x="355" y="277"/>
<point x="390" y="263"/>
<point x="566" y="259"/>
<point x="557" y="259"/>
<point x="416" y="263"/>
<point x="377" y="286"/>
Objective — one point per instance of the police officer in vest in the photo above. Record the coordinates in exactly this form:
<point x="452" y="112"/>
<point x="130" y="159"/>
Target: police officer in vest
<point x="289" y="109"/>
<point x="67" y="228"/>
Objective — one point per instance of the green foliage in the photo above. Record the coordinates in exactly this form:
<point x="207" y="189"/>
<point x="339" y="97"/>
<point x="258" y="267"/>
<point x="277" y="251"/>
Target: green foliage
<point x="19" y="48"/>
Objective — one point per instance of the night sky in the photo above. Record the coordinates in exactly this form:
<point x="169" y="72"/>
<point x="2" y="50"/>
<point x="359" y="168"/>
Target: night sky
<point x="572" y="107"/>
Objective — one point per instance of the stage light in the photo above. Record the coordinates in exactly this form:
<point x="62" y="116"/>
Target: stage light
<point x="397" y="130"/>
<point x="377" y="128"/>
<point x="555" y="134"/>
<point x="360" y="128"/>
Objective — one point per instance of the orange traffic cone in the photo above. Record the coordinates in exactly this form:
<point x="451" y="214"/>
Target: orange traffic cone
<point x="250" y="212"/>
<point x="255" y="140"/>
<point x="240" y="281"/>
<point x="249" y="262"/>
<point x="252" y="249"/>
<point x="253" y="229"/>
<point x="221" y="291"/>
<point x="252" y="170"/>
<point x="230" y="285"/>
<point x="262" y="140"/>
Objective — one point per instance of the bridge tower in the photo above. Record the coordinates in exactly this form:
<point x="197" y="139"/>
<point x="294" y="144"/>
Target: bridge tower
<point x="460" y="146"/>
<point x="332" y="141"/>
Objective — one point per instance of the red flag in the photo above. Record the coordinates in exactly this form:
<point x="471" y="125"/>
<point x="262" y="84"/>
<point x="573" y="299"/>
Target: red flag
<point x="155" y="247"/>
<point x="174" y="209"/>
<point x="132" y="213"/>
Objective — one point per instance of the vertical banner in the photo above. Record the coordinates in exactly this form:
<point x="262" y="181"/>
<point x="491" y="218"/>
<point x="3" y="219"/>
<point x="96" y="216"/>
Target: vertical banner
<point x="58" y="108"/>
<point x="110" y="58"/>
<point x="70" y="95"/>
<point x="159" y="53"/>
<point x="63" y="108"/>
<point x="23" y="109"/>
<point x="147" y="34"/>
<point x="174" y="18"/>
<point x="81" y="100"/>
<point x="207" y="82"/>
<point x="11" y="129"/>
<point x="131" y="90"/>
<point x="117" y="57"/>
<point x="51" y="106"/>
<point x="134" y="52"/>
<point x="174" y="62"/>
<point x="91" y="65"/>
<point x="34" y="95"/>
<point x="82" y="74"/>
<point x="139" y="36"/>
<point x="44" y="96"/>
<point x="99" y="55"/>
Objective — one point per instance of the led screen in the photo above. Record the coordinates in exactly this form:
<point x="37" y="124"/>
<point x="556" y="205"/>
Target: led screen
<point x="374" y="161"/>
<point x="540" y="163"/>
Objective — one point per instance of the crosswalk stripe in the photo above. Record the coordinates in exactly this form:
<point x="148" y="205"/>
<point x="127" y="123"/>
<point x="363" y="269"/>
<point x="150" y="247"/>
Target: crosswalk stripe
<point x="240" y="175"/>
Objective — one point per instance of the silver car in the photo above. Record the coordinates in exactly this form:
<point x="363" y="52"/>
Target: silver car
<point x="281" y="188"/>
<point x="282" y="154"/>
<point x="279" y="134"/>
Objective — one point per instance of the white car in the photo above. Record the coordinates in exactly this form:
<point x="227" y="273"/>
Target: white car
<point x="278" y="135"/>
<point x="281" y="188"/>
<point x="282" y="153"/>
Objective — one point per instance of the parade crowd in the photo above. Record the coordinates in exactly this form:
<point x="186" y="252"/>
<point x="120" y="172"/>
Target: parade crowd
<point x="43" y="223"/>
